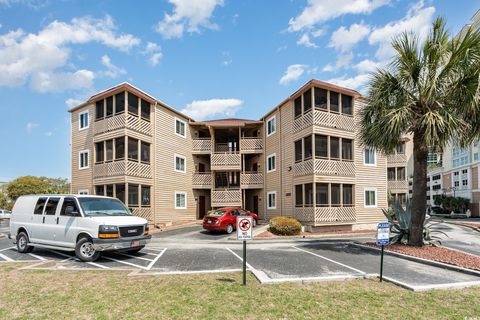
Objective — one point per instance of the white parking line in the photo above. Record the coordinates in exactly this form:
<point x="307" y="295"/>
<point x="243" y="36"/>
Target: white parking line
<point x="136" y="257"/>
<point x="4" y="257"/>
<point x="125" y="262"/>
<point x="5" y="249"/>
<point x="325" y="258"/>
<point x="165" y="273"/>
<point x="37" y="257"/>
<point x="156" y="259"/>
<point x="76" y="259"/>
<point x="241" y="259"/>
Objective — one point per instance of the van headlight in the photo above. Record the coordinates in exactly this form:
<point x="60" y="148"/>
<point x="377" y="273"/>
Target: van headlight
<point x="107" y="232"/>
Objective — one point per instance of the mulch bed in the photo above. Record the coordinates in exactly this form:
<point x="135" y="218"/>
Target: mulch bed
<point x="439" y="254"/>
<point x="267" y="234"/>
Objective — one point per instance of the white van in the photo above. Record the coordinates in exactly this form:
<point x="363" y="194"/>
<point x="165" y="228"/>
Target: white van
<point x="84" y="223"/>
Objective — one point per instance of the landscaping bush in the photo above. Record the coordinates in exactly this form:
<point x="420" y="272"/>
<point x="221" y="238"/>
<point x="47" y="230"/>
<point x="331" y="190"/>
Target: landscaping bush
<point x="284" y="226"/>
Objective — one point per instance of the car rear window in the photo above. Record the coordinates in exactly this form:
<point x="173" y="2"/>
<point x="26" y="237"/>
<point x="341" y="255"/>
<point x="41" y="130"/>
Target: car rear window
<point x="216" y="213"/>
<point x="40" y="205"/>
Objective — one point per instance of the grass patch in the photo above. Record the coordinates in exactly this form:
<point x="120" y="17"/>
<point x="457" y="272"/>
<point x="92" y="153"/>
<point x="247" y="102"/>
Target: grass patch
<point x="27" y="294"/>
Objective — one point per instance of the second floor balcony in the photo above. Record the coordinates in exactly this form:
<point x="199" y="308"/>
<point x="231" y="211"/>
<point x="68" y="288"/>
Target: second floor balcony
<point x="324" y="167"/>
<point x="202" y="146"/>
<point x="318" y="216"/>
<point x="202" y="180"/>
<point x="226" y="198"/>
<point x="324" y="119"/>
<point x="251" y="180"/>
<point x="122" y="168"/>
<point x="225" y="161"/>
<point x="251" y="145"/>
<point x="397" y="185"/>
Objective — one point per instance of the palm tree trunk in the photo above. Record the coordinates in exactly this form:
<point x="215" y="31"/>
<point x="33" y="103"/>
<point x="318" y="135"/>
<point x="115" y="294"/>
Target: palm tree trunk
<point x="419" y="195"/>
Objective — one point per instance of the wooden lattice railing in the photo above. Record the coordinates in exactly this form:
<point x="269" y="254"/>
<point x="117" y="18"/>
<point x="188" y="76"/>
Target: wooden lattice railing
<point x="202" y="145"/>
<point x="335" y="214"/>
<point x="225" y="161"/>
<point x="304" y="214"/>
<point x="228" y="197"/>
<point x="251" y="180"/>
<point x="324" y="119"/>
<point x="397" y="184"/>
<point x="202" y="180"/>
<point x="396" y="158"/>
<point x="324" y="167"/>
<point x="251" y="145"/>
<point x="121" y="168"/>
<point x="120" y="121"/>
<point x="145" y="213"/>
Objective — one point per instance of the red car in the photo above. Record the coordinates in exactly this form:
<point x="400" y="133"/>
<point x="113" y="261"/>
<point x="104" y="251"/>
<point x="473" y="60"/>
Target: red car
<point x="225" y="219"/>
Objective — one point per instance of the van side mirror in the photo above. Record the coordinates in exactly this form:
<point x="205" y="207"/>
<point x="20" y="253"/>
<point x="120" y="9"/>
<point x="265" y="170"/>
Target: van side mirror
<point x="70" y="211"/>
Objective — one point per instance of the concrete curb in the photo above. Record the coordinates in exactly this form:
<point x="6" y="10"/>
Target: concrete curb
<point x="422" y="260"/>
<point x="317" y="237"/>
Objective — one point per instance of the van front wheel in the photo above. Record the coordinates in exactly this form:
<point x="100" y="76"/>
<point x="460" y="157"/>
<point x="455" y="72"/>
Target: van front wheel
<point x="85" y="250"/>
<point x="22" y="243"/>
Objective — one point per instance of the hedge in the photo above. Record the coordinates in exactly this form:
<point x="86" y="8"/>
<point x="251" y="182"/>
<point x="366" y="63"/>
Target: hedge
<point x="285" y="226"/>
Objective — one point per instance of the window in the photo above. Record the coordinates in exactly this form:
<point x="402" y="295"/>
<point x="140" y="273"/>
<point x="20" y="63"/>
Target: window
<point x="145" y="151"/>
<point x="464" y="171"/>
<point x="307" y="147"/>
<point x="307" y="101"/>
<point x="401" y="173"/>
<point x="308" y="195"/>
<point x="83" y="191"/>
<point x="436" y="187"/>
<point x="40" y="205"/>
<point x="100" y="190"/>
<point x="320" y="98"/>
<point x="402" y="198"/>
<point x="271" y="165"/>
<point x="321" y="146"/>
<point x="347" y="149"/>
<point x="132" y="104"/>
<point x="400" y="148"/>
<point x="298" y="150"/>
<point x="99" y="152"/>
<point x="299" y="195"/>
<point x="109" y="150"/>
<point x="436" y="177"/>
<point x="464" y="182"/>
<point x="132" y="149"/>
<point x="83" y="159"/>
<point x="298" y="107"/>
<point x="475" y="156"/>
<point x="271" y="126"/>
<point x="455" y="173"/>
<point x="120" y="148"/>
<point x="322" y="194"/>
<point x="68" y="202"/>
<point x="120" y="102"/>
<point x="347" y="104"/>
<point x="133" y="195"/>
<point x="145" y="110"/>
<point x="180" y="200"/>
<point x="370" y="198"/>
<point x="83" y="120"/>
<point x="334" y="102"/>
<point x="180" y="164"/>
<point x="120" y="192"/>
<point x="99" y="109"/>
<point x="335" y="195"/>
<point x="145" y="196"/>
<point x="109" y="107"/>
<point x="369" y="157"/>
<point x="391" y="174"/>
<point x="334" y="148"/>
<point x="271" y="200"/>
<point x="347" y="190"/>
<point x="51" y="206"/>
<point x="109" y="190"/>
<point x="456" y="183"/>
<point x="180" y="127"/>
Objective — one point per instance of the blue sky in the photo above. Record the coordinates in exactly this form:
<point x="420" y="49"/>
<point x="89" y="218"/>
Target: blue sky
<point x="209" y="58"/>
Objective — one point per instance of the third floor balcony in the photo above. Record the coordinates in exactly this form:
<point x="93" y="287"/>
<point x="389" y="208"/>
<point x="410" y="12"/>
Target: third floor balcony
<point x="122" y="121"/>
<point x="324" y="119"/>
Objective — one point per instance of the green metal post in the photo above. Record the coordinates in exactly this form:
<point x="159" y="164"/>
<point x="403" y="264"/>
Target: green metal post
<point x="244" y="262"/>
<point x="381" y="266"/>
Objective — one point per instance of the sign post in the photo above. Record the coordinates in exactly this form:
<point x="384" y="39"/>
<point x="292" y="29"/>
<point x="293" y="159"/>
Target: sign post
<point x="383" y="238"/>
<point x="244" y="232"/>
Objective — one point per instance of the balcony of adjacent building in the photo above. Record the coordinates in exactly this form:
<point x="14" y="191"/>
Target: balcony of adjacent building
<point x="123" y="110"/>
<point x="397" y="179"/>
<point x="398" y="156"/>
<point x="226" y="189"/>
<point x="324" y="155"/>
<point x="122" y="156"/>
<point x="322" y="107"/>
<point x="319" y="204"/>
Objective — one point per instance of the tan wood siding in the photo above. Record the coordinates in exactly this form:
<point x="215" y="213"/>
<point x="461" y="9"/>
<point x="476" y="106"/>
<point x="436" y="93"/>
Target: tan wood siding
<point x="82" y="140"/>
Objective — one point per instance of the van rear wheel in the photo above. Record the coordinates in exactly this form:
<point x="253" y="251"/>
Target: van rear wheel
<point x="85" y="250"/>
<point x="22" y="243"/>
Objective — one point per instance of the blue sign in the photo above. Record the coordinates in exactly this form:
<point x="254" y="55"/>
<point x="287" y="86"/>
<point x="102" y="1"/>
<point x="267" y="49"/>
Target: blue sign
<point x="383" y="233"/>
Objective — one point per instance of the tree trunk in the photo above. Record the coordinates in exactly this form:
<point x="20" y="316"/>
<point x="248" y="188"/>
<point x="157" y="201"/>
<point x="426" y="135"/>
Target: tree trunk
<point x="419" y="195"/>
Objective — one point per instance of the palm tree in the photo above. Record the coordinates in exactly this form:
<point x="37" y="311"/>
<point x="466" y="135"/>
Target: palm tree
<point x="430" y="90"/>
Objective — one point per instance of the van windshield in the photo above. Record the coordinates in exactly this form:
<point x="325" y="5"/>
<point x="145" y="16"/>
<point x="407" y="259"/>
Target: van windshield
<point x="93" y="207"/>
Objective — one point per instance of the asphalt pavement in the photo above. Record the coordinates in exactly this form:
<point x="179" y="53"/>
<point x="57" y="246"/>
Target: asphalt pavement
<point x="457" y="237"/>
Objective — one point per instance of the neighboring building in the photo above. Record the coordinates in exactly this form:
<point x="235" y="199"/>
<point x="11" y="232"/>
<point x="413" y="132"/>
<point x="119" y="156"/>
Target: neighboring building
<point x="399" y="169"/>
<point x="302" y="159"/>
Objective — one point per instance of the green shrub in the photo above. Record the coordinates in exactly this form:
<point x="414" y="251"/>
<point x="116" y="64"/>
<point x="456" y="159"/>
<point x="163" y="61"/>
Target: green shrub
<point x="284" y="226"/>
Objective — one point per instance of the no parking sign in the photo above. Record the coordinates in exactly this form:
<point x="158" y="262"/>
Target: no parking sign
<point x="244" y="228"/>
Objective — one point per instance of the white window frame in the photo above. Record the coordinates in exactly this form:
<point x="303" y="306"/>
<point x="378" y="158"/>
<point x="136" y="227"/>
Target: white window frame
<point x="365" y="190"/>
<point x="80" y="128"/>
<point x="80" y="161"/>
<point x="175" y="127"/>
<point x="175" y="199"/>
<point x="275" y="162"/>
<point x="374" y="164"/>
<point x="268" y="200"/>
<point x="175" y="163"/>
<point x="83" y="191"/>
<point x="274" y="118"/>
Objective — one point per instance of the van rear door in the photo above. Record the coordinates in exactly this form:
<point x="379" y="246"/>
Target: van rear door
<point x="34" y="229"/>
<point x="48" y="230"/>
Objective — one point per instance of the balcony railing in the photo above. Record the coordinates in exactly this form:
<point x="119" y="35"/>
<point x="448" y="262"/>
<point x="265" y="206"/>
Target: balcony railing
<point x="120" y="121"/>
<point x="225" y="161"/>
<point x="202" y="146"/>
<point x="202" y="180"/>
<point x="251" y="145"/>
<point x="145" y="213"/>
<point x="324" y="119"/>
<point x="397" y="184"/>
<point x="324" y="167"/>
<point x="251" y="180"/>
<point x="226" y="198"/>
<point x="318" y="216"/>
<point x="396" y="158"/>
<point x="122" y="168"/>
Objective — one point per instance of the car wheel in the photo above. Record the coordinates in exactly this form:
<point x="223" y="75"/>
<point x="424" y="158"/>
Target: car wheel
<point x="136" y="250"/>
<point x="85" y="250"/>
<point x="229" y="229"/>
<point x="22" y="243"/>
<point x="254" y="222"/>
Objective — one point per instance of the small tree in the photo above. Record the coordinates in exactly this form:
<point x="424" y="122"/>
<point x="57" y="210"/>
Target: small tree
<point x="36" y="185"/>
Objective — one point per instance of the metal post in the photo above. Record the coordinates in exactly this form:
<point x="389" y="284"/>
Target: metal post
<point x="244" y="282"/>
<point x="381" y="265"/>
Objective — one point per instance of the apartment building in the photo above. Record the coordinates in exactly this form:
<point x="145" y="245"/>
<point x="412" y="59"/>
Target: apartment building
<point x="302" y="159"/>
<point x="400" y="170"/>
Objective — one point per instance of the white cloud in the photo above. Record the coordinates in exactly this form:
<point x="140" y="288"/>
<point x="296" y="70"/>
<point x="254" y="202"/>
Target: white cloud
<point x="37" y="57"/>
<point x="305" y="41"/>
<point x="34" y="4"/>
<point x="357" y="82"/>
<point x="48" y="133"/>
<point x="30" y="126"/>
<point x="112" y="70"/>
<point x="322" y="10"/>
<point x="154" y="53"/>
<point x="368" y="65"/>
<point x="293" y="73"/>
<point x="205" y="109"/>
<point x="226" y="58"/>
<point x="343" y="61"/>
<point x="344" y="39"/>
<point x="71" y="102"/>
<point x="418" y="19"/>
<point x="188" y="15"/>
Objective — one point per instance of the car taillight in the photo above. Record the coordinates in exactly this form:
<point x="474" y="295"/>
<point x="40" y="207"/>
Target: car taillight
<point x="146" y="230"/>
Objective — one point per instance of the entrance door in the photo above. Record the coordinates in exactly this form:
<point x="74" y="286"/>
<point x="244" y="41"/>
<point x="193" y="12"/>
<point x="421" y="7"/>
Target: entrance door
<point x="201" y="207"/>
<point x="255" y="205"/>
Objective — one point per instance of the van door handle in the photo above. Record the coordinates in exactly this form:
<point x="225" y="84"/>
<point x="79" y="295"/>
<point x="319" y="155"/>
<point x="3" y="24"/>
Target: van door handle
<point x="57" y="220"/>
<point x="43" y="219"/>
